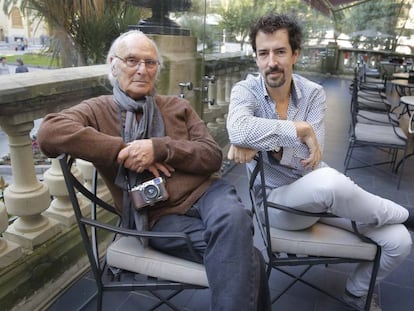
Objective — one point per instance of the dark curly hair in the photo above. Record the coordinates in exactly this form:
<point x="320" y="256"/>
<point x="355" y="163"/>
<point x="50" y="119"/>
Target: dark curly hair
<point x="271" y="22"/>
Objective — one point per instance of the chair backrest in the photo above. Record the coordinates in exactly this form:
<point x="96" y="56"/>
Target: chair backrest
<point x="322" y="244"/>
<point x="88" y="218"/>
<point x="259" y="201"/>
<point x="126" y="254"/>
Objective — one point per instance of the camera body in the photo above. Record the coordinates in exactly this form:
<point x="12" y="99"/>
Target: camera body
<point x="149" y="192"/>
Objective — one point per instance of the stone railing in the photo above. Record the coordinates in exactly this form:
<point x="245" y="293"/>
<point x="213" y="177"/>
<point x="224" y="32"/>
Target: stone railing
<point x="40" y="251"/>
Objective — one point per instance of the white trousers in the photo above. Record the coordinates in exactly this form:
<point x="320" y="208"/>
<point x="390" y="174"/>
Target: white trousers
<point x="380" y="219"/>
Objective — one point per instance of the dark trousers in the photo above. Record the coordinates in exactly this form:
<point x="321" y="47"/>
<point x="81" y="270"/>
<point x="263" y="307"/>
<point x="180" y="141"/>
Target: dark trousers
<point x="221" y="230"/>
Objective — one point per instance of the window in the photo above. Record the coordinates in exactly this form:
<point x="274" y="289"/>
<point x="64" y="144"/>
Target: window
<point x="16" y="18"/>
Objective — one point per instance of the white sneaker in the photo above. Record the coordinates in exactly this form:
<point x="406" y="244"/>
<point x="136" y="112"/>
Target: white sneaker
<point x="359" y="302"/>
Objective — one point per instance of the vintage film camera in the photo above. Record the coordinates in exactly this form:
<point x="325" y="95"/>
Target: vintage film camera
<point x="149" y="192"/>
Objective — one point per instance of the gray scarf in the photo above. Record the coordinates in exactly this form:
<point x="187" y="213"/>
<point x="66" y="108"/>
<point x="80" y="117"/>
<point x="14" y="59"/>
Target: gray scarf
<point x="150" y="125"/>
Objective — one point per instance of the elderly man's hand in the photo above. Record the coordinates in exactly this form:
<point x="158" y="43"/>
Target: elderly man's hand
<point x="139" y="156"/>
<point x="240" y="154"/>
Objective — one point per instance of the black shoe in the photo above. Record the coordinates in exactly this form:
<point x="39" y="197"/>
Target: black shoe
<point x="359" y="302"/>
<point x="409" y="223"/>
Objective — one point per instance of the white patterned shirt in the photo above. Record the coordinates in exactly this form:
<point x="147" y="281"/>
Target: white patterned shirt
<point x="253" y="122"/>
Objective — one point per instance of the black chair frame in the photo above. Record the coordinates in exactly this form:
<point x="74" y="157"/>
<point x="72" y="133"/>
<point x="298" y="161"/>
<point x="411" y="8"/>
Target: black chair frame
<point x="109" y="278"/>
<point x="277" y="261"/>
<point x="391" y="150"/>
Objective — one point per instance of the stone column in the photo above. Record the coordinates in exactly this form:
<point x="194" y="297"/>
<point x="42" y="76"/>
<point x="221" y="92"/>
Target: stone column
<point x="26" y="197"/>
<point x="227" y="88"/>
<point x="87" y="170"/>
<point x="9" y="251"/>
<point x="220" y="92"/>
<point x="221" y="95"/>
<point x="61" y="207"/>
<point x="182" y="63"/>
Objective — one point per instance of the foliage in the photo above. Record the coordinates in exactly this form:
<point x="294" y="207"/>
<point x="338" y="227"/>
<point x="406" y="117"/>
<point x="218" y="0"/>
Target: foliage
<point x="42" y="60"/>
<point x="82" y="30"/>
<point x="207" y="35"/>
<point x="238" y="16"/>
<point x="3" y="186"/>
<point x="378" y="21"/>
<point x="34" y="59"/>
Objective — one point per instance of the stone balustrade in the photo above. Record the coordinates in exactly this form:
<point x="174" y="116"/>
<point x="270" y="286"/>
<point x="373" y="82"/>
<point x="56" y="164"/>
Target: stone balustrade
<point x="45" y="221"/>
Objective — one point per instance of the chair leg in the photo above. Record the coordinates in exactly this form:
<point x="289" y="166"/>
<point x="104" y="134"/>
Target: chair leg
<point x="348" y="156"/>
<point x="165" y="300"/>
<point x="293" y="282"/>
<point x="375" y="268"/>
<point x="400" y="174"/>
<point x="99" y="298"/>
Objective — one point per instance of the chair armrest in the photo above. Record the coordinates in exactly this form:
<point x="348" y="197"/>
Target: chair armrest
<point x="259" y="172"/>
<point x="299" y="212"/>
<point x="143" y="234"/>
<point x="73" y="185"/>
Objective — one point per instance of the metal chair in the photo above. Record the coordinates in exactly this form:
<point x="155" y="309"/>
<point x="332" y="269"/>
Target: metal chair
<point x="321" y="244"/>
<point x="128" y="264"/>
<point x="375" y="130"/>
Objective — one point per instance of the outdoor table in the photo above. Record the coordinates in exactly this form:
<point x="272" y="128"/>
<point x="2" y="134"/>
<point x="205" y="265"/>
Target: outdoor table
<point x="395" y="65"/>
<point x="403" y="87"/>
<point x="401" y="75"/>
<point x="407" y="101"/>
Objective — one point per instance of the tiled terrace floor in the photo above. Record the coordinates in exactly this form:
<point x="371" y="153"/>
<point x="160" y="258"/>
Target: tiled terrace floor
<point x="396" y="292"/>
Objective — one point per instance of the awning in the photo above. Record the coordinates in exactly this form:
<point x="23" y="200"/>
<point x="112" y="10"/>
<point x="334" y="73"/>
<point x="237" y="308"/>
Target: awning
<point x="328" y="7"/>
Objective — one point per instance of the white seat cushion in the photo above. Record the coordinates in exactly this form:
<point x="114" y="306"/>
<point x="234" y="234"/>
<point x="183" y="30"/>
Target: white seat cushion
<point x="128" y="253"/>
<point x="322" y="240"/>
<point x="377" y="118"/>
<point x="380" y="134"/>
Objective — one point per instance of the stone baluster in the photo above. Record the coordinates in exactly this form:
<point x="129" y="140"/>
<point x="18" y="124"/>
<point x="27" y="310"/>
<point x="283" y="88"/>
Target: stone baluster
<point x="9" y="251"/>
<point x="235" y="77"/>
<point x="221" y="95"/>
<point x="212" y="109"/>
<point x="26" y="198"/>
<point x="87" y="170"/>
<point x="212" y="92"/>
<point x="61" y="207"/>
<point x="220" y="90"/>
<point x="228" y="86"/>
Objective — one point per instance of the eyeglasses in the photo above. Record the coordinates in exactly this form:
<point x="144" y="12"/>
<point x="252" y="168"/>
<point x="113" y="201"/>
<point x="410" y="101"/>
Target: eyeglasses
<point x="135" y="63"/>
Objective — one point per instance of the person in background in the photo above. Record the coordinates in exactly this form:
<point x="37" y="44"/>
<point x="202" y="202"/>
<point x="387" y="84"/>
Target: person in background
<point x="282" y="114"/>
<point x="139" y="134"/>
<point x="21" y="67"/>
<point x="4" y="68"/>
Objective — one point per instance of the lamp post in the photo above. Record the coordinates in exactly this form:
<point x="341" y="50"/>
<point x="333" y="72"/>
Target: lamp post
<point x="159" y="22"/>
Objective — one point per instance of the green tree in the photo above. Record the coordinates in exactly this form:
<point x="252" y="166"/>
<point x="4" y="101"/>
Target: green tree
<point x="237" y="16"/>
<point x="82" y="30"/>
<point x="379" y="22"/>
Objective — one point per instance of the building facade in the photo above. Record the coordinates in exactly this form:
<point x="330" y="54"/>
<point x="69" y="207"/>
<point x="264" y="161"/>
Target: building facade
<point x="20" y="29"/>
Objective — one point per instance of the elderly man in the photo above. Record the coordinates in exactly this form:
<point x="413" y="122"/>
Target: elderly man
<point x="139" y="134"/>
<point x="282" y="114"/>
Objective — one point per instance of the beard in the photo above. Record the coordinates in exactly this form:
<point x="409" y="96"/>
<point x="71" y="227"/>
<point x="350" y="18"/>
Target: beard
<point x="275" y="82"/>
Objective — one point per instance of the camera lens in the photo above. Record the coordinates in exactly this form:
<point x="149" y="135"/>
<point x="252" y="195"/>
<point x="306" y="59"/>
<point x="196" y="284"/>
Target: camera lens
<point x="151" y="192"/>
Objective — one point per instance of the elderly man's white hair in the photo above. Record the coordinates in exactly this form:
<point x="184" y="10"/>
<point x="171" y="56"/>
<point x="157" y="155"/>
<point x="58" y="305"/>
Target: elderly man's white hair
<point x="114" y="48"/>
